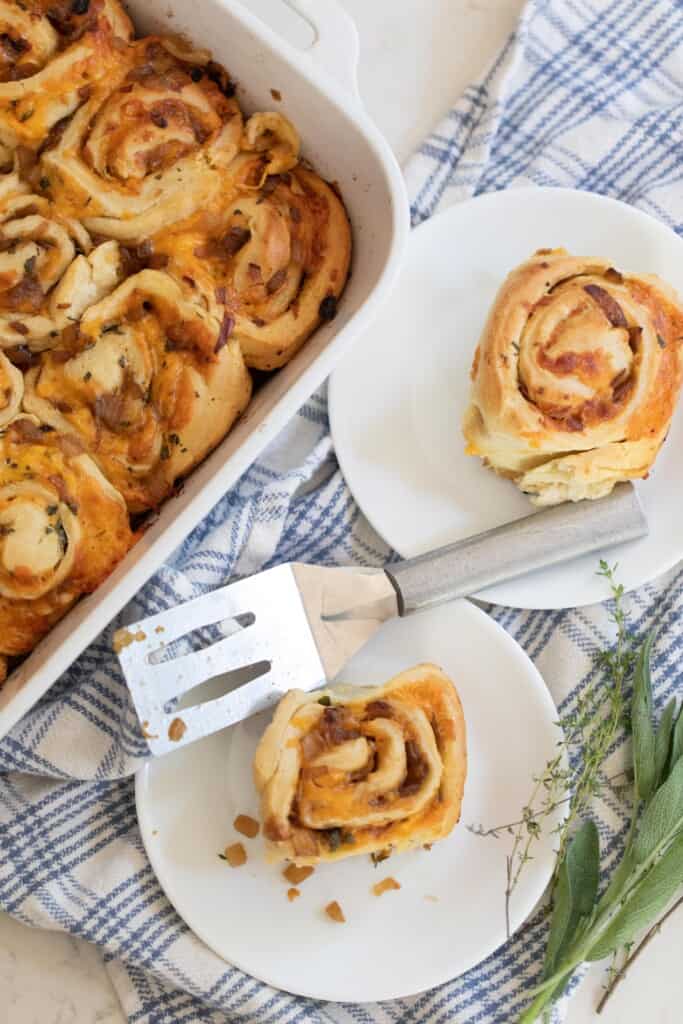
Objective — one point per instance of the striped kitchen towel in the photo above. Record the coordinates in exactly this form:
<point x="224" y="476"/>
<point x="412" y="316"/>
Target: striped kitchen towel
<point x="586" y="93"/>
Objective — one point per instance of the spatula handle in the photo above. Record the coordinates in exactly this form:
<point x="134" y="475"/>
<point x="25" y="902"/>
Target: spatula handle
<point x="535" y="542"/>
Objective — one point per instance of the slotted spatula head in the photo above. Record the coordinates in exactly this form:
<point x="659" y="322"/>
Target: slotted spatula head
<point x="279" y="630"/>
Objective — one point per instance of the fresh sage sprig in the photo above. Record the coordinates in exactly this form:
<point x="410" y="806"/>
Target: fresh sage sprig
<point x="585" y="927"/>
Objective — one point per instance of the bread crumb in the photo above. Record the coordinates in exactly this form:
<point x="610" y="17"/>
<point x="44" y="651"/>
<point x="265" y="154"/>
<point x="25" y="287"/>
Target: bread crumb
<point x="276" y="94"/>
<point x="335" y="912"/>
<point x="176" y="730"/>
<point x="297" y="875"/>
<point x="293" y="894"/>
<point x="385" y="885"/>
<point x="246" y="825"/>
<point x="235" y="855"/>
<point x="124" y="637"/>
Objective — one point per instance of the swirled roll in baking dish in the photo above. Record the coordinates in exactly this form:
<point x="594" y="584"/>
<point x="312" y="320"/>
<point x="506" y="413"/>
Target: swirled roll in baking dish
<point x="154" y="246"/>
<point x="149" y="145"/>
<point x="51" y="54"/>
<point x="149" y="382"/>
<point x="63" y="528"/>
<point x="575" y="378"/>
<point x="272" y="252"/>
<point x="49" y="270"/>
<point x="353" y="770"/>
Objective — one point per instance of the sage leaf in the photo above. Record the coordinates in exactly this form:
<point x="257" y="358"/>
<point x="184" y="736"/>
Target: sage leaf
<point x="575" y="892"/>
<point x="646" y="902"/>
<point x="663" y="741"/>
<point x="677" y="740"/>
<point x="641" y="720"/>
<point x="620" y="877"/>
<point x="662" y="817"/>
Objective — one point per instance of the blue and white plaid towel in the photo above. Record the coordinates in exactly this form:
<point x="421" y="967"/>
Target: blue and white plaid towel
<point x="587" y="93"/>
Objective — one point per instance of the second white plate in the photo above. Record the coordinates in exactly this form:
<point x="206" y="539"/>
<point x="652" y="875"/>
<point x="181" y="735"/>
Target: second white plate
<point x="450" y="911"/>
<point x="397" y="399"/>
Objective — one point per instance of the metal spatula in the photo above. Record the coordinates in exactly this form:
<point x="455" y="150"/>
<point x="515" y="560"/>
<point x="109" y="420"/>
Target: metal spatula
<point x="297" y="625"/>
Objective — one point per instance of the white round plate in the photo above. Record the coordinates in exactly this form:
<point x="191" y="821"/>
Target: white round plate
<point x="397" y="399"/>
<point x="449" y="912"/>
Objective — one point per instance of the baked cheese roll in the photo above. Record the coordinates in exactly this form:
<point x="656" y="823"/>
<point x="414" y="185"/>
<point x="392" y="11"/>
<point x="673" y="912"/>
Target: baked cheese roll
<point x="63" y="528"/>
<point x="149" y="382"/>
<point x="148" y="147"/>
<point x="273" y="252"/>
<point x="353" y="770"/>
<point x="575" y="378"/>
<point x="49" y="270"/>
<point x="51" y="54"/>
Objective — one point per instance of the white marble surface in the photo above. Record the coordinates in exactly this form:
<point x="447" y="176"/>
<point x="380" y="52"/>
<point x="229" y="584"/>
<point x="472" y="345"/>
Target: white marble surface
<point x="416" y="56"/>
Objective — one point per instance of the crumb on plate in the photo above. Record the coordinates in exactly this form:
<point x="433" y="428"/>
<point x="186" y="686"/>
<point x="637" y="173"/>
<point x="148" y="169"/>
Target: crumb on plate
<point x="293" y="894"/>
<point x="385" y="885"/>
<point x="297" y="875"/>
<point x="235" y="855"/>
<point x="246" y="825"/>
<point x="335" y="912"/>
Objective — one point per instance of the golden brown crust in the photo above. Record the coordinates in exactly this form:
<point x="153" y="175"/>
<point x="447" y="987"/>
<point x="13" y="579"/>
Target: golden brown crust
<point x="352" y="770"/>
<point x="50" y="58"/>
<point x="273" y="253"/>
<point x="148" y="385"/>
<point x="149" y="147"/>
<point x="575" y="377"/>
<point x="50" y="272"/>
<point x="63" y="528"/>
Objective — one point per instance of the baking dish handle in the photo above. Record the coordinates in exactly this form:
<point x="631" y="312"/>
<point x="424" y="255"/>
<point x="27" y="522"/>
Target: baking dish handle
<point x="336" y="46"/>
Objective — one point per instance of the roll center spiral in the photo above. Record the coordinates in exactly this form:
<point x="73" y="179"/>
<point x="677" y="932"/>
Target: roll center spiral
<point x="36" y="537"/>
<point x="577" y="353"/>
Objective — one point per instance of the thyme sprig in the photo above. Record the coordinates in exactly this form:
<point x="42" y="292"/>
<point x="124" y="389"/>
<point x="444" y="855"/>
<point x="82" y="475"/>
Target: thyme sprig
<point x="589" y="730"/>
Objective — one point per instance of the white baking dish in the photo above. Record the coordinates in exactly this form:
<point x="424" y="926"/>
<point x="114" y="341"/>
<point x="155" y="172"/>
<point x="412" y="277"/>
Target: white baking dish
<point x="319" y="93"/>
